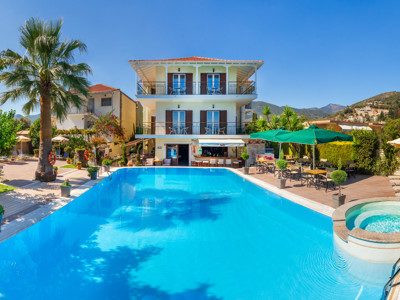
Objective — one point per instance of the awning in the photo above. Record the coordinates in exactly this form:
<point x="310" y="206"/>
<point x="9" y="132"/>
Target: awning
<point x="221" y="142"/>
<point x="353" y="127"/>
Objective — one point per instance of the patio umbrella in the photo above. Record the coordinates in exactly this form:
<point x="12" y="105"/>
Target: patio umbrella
<point x="59" y="139"/>
<point x="271" y="135"/>
<point x="22" y="139"/>
<point x="395" y="143"/>
<point x="313" y="136"/>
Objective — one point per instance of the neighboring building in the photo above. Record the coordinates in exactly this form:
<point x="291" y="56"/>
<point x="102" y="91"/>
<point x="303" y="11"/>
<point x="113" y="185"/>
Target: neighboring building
<point x="345" y="126"/>
<point x="195" y="106"/>
<point x="103" y="99"/>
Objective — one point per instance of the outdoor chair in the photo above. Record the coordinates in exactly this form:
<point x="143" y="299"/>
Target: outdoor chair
<point x="326" y="181"/>
<point x="208" y="130"/>
<point x="149" y="162"/>
<point x="221" y="163"/>
<point x="221" y="130"/>
<point x="236" y="163"/>
<point x="213" y="162"/>
<point x="294" y="172"/>
<point x="351" y="170"/>
<point x="172" y="130"/>
<point x="205" y="163"/>
<point x="22" y="155"/>
<point x="166" y="162"/>
<point x="305" y="178"/>
<point x="228" y="162"/>
<point x="330" y="169"/>
<point x="65" y="156"/>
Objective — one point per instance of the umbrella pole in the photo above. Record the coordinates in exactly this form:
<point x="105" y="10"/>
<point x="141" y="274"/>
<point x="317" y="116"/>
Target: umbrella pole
<point x="280" y="146"/>
<point x="313" y="156"/>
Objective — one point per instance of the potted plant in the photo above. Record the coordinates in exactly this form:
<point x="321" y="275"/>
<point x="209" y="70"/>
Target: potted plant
<point x="2" y="211"/>
<point x="93" y="172"/>
<point x="282" y="165"/>
<point x="79" y="165"/>
<point x="339" y="177"/>
<point x="245" y="157"/>
<point x="55" y="169"/>
<point x="68" y="149"/>
<point x="66" y="188"/>
<point x="107" y="163"/>
<point x="36" y="152"/>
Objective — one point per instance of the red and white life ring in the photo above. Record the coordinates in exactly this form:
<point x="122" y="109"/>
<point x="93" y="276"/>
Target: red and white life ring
<point x="52" y="158"/>
<point x="86" y="154"/>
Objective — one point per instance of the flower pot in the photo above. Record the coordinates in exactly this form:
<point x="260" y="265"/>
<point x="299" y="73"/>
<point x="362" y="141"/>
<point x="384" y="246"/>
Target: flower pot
<point x="79" y="167"/>
<point x="338" y="200"/>
<point x="246" y="170"/>
<point x="56" y="172"/>
<point x="65" y="191"/>
<point x="93" y="175"/>
<point x="36" y="155"/>
<point x="281" y="183"/>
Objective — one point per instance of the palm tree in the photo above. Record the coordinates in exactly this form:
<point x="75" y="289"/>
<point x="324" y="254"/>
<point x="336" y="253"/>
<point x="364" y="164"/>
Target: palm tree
<point x="44" y="76"/>
<point x="266" y="112"/>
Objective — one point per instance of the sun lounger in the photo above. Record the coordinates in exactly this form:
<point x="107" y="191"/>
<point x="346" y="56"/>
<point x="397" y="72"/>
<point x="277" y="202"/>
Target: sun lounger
<point x="149" y="162"/>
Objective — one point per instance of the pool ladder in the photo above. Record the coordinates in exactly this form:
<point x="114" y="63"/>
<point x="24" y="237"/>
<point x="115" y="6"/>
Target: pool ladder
<point x="388" y="286"/>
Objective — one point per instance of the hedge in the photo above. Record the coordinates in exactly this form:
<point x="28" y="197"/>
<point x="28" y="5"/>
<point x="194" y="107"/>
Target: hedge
<point x="366" y="146"/>
<point x="335" y="150"/>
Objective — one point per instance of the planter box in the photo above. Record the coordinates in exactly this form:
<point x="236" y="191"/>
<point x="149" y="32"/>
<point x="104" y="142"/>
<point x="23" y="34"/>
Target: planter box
<point x="281" y="183"/>
<point x="65" y="191"/>
<point x="338" y="200"/>
<point x="246" y="170"/>
<point x="93" y="175"/>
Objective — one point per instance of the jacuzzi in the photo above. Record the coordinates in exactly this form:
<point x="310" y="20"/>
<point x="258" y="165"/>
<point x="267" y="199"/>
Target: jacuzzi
<point x="369" y="229"/>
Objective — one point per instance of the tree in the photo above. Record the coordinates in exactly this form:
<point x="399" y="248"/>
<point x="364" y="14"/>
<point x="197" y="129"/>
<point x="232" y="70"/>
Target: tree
<point x="34" y="133"/>
<point x="25" y="122"/>
<point x="109" y="125"/>
<point x="45" y="75"/>
<point x="8" y="128"/>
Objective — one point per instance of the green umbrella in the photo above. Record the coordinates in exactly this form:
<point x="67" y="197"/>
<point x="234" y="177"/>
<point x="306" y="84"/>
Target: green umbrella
<point x="313" y="136"/>
<point x="270" y="135"/>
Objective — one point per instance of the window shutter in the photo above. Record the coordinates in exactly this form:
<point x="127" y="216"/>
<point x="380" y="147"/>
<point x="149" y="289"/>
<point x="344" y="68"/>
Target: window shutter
<point x="223" y="83"/>
<point x="169" y="83"/>
<point x="189" y="83"/>
<point x="203" y="84"/>
<point x="168" y="121"/>
<point x="189" y="121"/>
<point x="153" y="125"/>
<point x="203" y="121"/>
<point x="223" y="116"/>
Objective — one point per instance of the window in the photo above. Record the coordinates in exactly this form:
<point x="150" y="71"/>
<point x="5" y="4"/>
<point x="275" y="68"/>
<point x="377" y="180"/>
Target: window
<point x="106" y="102"/>
<point x="179" y="84"/>
<point x="213" y="83"/>
<point x="212" y="122"/>
<point x="178" y="122"/>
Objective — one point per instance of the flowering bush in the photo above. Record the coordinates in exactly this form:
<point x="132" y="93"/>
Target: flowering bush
<point x="109" y="124"/>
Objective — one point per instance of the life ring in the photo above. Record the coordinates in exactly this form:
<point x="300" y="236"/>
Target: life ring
<point x="86" y="154"/>
<point x="52" y="158"/>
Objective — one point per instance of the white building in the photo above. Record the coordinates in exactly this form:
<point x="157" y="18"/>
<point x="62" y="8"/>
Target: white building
<point x="194" y="106"/>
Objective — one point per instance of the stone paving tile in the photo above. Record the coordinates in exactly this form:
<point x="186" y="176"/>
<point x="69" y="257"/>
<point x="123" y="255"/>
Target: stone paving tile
<point x="362" y="186"/>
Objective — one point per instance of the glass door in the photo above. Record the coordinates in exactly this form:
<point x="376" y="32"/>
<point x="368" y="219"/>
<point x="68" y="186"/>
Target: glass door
<point x="212" y="122"/>
<point x="178" y="122"/>
<point x="179" y="84"/>
<point x="213" y="84"/>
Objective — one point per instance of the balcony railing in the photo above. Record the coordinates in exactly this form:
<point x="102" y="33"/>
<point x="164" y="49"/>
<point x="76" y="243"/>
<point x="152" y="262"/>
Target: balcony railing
<point x="161" y="88"/>
<point x="82" y="110"/>
<point x="190" y="128"/>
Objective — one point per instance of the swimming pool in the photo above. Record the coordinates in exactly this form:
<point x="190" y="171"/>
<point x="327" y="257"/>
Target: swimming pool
<point x="182" y="233"/>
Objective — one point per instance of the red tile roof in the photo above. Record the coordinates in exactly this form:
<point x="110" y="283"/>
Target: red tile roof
<point x="101" y="88"/>
<point x="197" y="58"/>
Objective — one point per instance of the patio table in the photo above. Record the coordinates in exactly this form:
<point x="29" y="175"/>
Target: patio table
<point x="315" y="172"/>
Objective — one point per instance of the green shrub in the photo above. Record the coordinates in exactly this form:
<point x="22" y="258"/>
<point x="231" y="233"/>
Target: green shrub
<point x="245" y="156"/>
<point x="335" y="151"/>
<point x="68" y="149"/>
<point x="366" y="145"/>
<point x="339" y="177"/>
<point x="107" y="162"/>
<point x="2" y="211"/>
<point x="92" y="170"/>
<point x="339" y="163"/>
<point x="79" y="163"/>
<point x="55" y="168"/>
<point x="282" y="164"/>
<point x="124" y="159"/>
<point x="66" y="183"/>
<point x="36" y="151"/>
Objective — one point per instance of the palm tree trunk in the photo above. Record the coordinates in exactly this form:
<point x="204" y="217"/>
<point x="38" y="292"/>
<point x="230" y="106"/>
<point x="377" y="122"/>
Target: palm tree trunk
<point x="44" y="171"/>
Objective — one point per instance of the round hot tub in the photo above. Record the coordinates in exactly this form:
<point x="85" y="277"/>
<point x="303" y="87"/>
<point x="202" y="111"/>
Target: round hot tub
<point x="369" y="229"/>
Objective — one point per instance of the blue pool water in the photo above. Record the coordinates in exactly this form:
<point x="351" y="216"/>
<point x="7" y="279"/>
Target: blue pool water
<point x="179" y="233"/>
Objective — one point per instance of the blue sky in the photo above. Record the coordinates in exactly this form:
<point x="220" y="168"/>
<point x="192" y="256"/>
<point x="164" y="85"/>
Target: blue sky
<point x="315" y="51"/>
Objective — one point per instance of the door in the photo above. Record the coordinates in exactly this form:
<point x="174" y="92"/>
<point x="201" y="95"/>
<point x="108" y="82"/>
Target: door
<point x="178" y="122"/>
<point x="183" y="155"/>
<point x="212" y="122"/>
<point x="172" y="153"/>
<point x="179" y="84"/>
<point x="90" y="105"/>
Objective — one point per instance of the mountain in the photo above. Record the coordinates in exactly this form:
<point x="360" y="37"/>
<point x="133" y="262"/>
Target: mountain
<point x="312" y="113"/>
<point x="31" y="117"/>
<point x="384" y="100"/>
<point x="333" y="108"/>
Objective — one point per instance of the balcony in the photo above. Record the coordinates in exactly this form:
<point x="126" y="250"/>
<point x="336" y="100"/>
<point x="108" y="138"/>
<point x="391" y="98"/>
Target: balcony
<point x="81" y="111"/>
<point x="161" y="88"/>
<point x="190" y="128"/>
